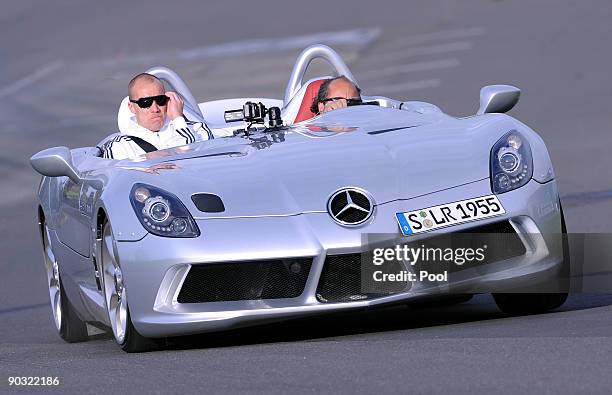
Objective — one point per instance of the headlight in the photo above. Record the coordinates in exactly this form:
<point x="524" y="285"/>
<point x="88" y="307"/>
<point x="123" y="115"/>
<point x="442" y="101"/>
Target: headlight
<point x="162" y="213"/>
<point x="511" y="163"/>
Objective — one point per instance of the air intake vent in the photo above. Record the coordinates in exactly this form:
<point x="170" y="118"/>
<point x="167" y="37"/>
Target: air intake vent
<point x="341" y="281"/>
<point x="220" y="282"/>
<point x="501" y="240"/>
<point x="208" y="203"/>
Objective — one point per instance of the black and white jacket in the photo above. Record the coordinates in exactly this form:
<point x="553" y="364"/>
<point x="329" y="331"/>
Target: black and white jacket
<point x="172" y="134"/>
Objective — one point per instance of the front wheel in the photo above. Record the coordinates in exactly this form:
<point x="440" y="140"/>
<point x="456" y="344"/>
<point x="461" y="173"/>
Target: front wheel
<point x="67" y="322"/>
<point x="535" y="303"/>
<point x="520" y="304"/>
<point x="115" y="295"/>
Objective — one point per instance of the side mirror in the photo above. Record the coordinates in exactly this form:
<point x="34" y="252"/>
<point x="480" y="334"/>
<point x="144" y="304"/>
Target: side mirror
<point x="55" y="162"/>
<point x="498" y="98"/>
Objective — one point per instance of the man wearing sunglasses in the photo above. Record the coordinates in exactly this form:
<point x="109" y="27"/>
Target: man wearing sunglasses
<point x="336" y="93"/>
<point x="157" y="122"/>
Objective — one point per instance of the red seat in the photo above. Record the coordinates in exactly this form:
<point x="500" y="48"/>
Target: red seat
<point x="309" y="95"/>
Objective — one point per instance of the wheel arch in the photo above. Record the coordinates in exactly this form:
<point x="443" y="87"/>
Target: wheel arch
<point x="41" y="220"/>
<point x="120" y="213"/>
<point x="101" y="219"/>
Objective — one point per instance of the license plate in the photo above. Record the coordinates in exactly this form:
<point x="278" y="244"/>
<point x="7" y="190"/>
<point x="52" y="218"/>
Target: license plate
<point x="431" y="218"/>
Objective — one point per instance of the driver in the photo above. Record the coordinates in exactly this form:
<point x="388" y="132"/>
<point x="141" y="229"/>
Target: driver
<point x="336" y="93"/>
<point x="157" y="124"/>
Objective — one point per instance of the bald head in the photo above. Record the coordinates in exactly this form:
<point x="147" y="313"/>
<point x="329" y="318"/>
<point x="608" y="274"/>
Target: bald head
<point x="143" y="79"/>
<point x="142" y="86"/>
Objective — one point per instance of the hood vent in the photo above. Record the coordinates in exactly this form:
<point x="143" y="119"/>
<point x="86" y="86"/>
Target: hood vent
<point x="208" y="203"/>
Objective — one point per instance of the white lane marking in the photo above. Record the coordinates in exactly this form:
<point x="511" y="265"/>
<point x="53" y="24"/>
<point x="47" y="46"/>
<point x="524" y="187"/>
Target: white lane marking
<point x="30" y="79"/>
<point x="407" y="86"/>
<point x="266" y="77"/>
<point x="440" y="35"/>
<point x="398" y="55"/>
<point x="360" y="37"/>
<point x="439" y="48"/>
<point x="408" y="68"/>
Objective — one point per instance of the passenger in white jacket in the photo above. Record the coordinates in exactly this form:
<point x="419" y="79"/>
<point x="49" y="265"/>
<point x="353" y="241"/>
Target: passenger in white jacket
<point x="157" y="123"/>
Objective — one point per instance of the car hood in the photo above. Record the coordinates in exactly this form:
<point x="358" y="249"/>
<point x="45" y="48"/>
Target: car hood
<point x="389" y="153"/>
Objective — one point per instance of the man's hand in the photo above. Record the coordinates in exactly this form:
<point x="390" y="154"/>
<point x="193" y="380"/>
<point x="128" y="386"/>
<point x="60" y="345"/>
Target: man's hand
<point x="175" y="105"/>
<point x="334" y="105"/>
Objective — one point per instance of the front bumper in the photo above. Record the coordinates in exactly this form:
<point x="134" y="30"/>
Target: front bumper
<point x="154" y="268"/>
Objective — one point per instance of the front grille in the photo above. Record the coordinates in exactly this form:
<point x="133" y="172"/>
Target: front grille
<point x="342" y="280"/>
<point x="272" y="279"/>
<point x="344" y="277"/>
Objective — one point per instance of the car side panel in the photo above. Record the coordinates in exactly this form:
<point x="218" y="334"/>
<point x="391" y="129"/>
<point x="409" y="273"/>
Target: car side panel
<point x="76" y="274"/>
<point x="72" y="227"/>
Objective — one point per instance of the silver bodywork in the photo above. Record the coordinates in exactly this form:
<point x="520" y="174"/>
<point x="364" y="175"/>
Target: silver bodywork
<point x="275" y="187"/>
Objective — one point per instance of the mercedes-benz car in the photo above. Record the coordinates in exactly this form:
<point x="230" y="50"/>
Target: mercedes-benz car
<point x="270" y="221"/>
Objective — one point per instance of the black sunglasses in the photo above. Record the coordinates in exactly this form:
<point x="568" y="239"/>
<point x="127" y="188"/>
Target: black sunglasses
<point x="146" y="102"/>
<point x="349" y="102"/>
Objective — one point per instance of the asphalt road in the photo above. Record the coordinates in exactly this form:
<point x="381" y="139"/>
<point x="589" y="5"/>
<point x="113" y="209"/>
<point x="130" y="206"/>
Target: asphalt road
<point x="63" y="73"/>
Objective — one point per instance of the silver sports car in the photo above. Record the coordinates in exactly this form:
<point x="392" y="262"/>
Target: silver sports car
<point x="286" y="213"/>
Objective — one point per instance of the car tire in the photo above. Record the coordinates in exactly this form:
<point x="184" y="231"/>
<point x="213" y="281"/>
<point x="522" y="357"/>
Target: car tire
<point x="456" y="299"/>
<point x="134" y="342"/>
<point x="116" y="299"/>
<point x="536" y="303"/>
<point x="524" y="304"/>
<point x="68" y="324"/>
<point x="73" y="330"/>
<point x="443" y="301"/>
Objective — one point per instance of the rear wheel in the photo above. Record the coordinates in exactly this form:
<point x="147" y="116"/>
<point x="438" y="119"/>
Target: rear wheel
<point x="115" y="296"/>
<point x="68" y="324"/>
<point x="534" y="303"/>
